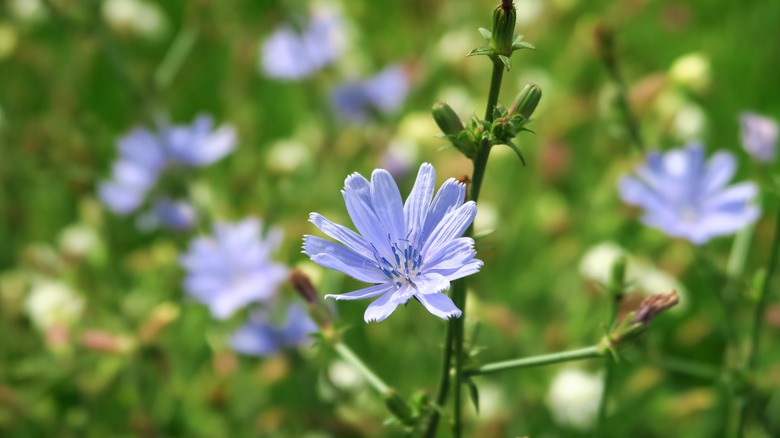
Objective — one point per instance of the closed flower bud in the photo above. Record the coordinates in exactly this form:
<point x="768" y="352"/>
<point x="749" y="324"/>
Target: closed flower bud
<point x="452" y="128"/>
<point x="503" y="35"/>
<point x="446" y="118"/>
<point x="526" y="101"/>
<point x="397" y="406"/>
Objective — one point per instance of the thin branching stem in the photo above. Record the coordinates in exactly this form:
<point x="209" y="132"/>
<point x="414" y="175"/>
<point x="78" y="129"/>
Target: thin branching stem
<point x="751" y="363"/>
<point x="535" y="361"/>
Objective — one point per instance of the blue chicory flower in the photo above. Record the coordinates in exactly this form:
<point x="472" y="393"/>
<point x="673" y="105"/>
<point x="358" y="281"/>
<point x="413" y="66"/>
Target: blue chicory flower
<point x="687" y="196"/>
<point x="288" y="54"/>
<point x="145" y="155"/>
<point x="759" y="136"/>
<point x="384" y="93"/>
<point x="174" y="214"/>
<point x="261" y="337"/>
<point x="233" y="268"/>
<point x="408" y="250"/>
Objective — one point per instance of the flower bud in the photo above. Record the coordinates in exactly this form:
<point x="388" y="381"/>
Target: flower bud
<point x="503" y="35"/>
<point x="446" y="118"/>
<point x="397" y="406"/>
<point x="526" y="101"/>
<point x="317" y="308"/>
<point x="617" y="281"/>
<point x="161" y="316"/>
<point x="452" y="128"/>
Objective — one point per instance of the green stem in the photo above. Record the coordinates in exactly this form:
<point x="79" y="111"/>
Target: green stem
<point x="348" y="355"/>
<point x="535" y="361"/>
<point x="444" y="383"/>
<point x="171" y="64"/>
<point x="459" y="289"/>
<point x="632" y="126"/>
<point x="453" y="347"/>
<point x="758" y="318"/>
<point x="689" y="367"/>
<point x="615" y="292"/>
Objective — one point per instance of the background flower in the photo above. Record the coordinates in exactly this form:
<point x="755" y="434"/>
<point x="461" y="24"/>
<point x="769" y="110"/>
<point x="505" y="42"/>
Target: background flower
<point x="384" y="93"/>
<point x="408" y="250"/>
<point x="759" y="136"/>
<point x="144" y="156"/>
<point x="261" y="337"/>
<point x="288" y="54"/>
<point x="233" y="268"/>
<point x="574" y="397"/>
<point x="688" y="197"/>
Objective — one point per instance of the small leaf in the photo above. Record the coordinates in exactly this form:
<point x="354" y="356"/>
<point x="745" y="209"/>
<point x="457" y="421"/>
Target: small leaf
<point x="484" y="50"/>
<point x="486" y="34"/>
<point x="507" y="62"/>
<point x="519" y="45"/>
<point x="474" y="393"/>
<point x="517" y="151"/>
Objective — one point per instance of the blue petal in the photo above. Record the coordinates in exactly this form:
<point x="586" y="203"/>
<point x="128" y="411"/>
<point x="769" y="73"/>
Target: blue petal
<point x="297" y="326"/>
<point x="284" y="55"/>
<point x="452" y="254"/>
<point x="636" y="192"/>
<point x="419" y="201"/>
<point x="255" y="339"/>
<point x="360" y="271"/>
<point x="313" y="246"/>
<point x="143" y="148"/>
<point x="120" y="199"/>
<point x="380" y="309"/>
<point x="736" y="196"/>
<point x="453" y="225"/>
<point x="722" y="224"/>
<point x="387" y="203"/>
<point x="366" y="220"/>
<point x="720" y="169"/>
<point x="388" y="89"/>
<point x="440" y="305"/>
<point x="472" y="267"/>
<point x="429" y="283"/>
<point x="349" y="238"/>
<point x="451" y="195"/>
<point x="214" y="147"/>
<point x="360" y="294"/>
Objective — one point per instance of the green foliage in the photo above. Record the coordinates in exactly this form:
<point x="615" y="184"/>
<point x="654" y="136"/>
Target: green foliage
<point x="127" y="365"/>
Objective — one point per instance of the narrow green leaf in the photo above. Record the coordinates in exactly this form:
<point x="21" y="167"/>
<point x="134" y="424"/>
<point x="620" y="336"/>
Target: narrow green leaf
<point x="507" y="62"/>
<point x="519" y="45"/>
<point x="517" y="151"/>
<point x="474" y="393"/>
<point x="484" y="50"/>
<point x="486" y="34"/>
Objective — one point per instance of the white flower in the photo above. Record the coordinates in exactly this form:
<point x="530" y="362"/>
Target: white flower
<point x="52" y="303"/>
<point x="596" y="265"/>
<point x="574" y="398"/>
<point x="79" y="240"/>
<point x="691" y="71"/>
<point x="135" y="17"/>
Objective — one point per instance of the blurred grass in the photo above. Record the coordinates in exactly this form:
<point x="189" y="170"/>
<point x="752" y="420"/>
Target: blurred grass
<point x="64" y="105"/>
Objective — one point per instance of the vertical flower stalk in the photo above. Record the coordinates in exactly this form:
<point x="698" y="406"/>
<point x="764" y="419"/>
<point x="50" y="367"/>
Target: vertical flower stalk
<point x="476" y="141"/>
<point x="751" y="363"/>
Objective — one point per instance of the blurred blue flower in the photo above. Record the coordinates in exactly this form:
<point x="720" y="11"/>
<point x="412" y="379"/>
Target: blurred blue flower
<point x="233" y="268"/>
<point x="687" y="196"/>
<point x="384" y="93"/>
<point x="288" y="54"/>
<point x="759" y="136"/>
<point x="261" y="337"/>
<point x="144" y="156"/>
<point x="408" y="250"/>
<point x="174" y="214"/>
